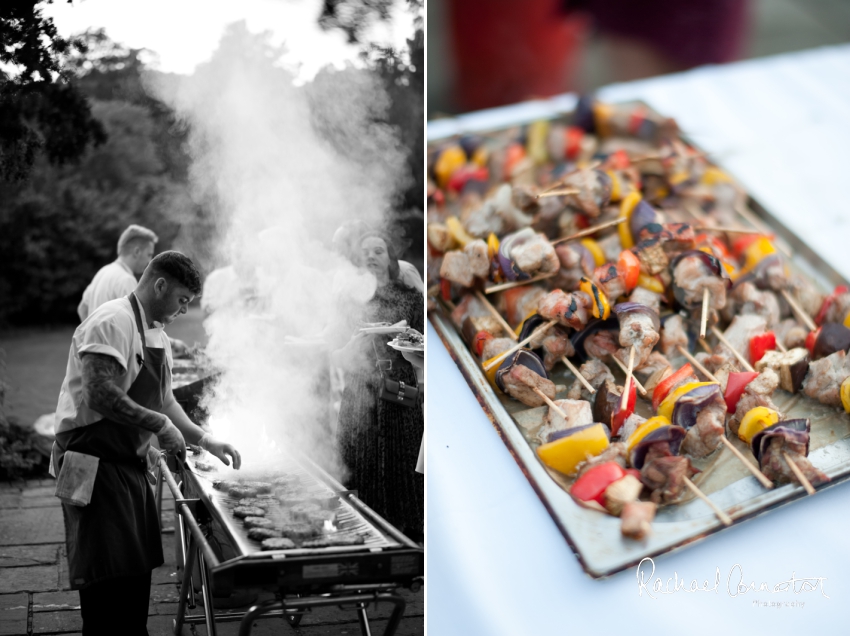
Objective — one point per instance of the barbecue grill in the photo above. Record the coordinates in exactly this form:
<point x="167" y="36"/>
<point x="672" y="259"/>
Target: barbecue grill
<point x="214" y="546"/>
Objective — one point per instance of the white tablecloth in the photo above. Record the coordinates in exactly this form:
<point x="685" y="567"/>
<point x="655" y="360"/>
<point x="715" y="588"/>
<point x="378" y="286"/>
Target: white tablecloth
<point x="496" y="563"/>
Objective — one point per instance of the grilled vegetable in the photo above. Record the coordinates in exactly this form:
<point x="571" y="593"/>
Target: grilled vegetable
<point x="567" y="449"/>
<point x="761" y="344"/>
<point x="647" y="427"/>
<point x="830" y="338"/>
<point x="601" y="308"/>
<point x="592" y="484"/>
<point x="735" y="386"/>
<point x="665" y="409"/>
<point x="791" y="367"/>
<point x="670" y="435"/>
<point x="756" y="420"/>
<point x="845" y="394"/>
<point x="606" y="406"/>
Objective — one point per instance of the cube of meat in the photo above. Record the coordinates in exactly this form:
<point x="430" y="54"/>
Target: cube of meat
<point x="636" y="519"/>
<point x="664" y="476"/>
<point x="578" y="413"/>
<point x="536" y="255"/>
<point x="740" y="332"/>
<point x="703" y="438"/>
<point x="496" y="215"/>
<point x="751" y="300"/>
<point x="602" y="344"/>
<point x="673" y="334"/>
<point x="653" y="258"/>
<point x="630" y="425"/>
<point x="610" y="281"/>
<point x="616" y="452"/>
<point x="520" y="302"/>
<point x="637" y="330"/>
<point x="595" y="372"/>
<point x="556" y="344"/>
<point x="594" y="191"/>
<point x="496" y="346"/>
<point x="570" y="310"/>
<point x="823" y="381"/>
<point x="520" y="383"/>
<point x="791" y="334"/>
<point x="756" y="393"/>
<point x="645" y="297"/>
<point x="439" y="237"/>
<point x="469" y="306"/>
<point x="776" y="468"/>
<point x="457" y="268"/>
<point x="654" y="363"/>
<point x="693" y="276"/>
<point x="479" y="258"/>
<point x="839" y="309"/>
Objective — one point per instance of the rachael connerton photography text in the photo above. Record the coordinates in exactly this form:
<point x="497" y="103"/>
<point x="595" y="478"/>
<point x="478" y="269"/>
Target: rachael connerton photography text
<point x="736" y="584"/>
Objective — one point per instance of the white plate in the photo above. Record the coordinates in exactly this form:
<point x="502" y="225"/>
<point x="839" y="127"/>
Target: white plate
<point x="402" y="347"/>
<point x="383" y="330"/>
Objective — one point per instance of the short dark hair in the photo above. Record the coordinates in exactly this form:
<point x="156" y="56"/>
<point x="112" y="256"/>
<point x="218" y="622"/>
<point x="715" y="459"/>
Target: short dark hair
<point x="177" y="267"/>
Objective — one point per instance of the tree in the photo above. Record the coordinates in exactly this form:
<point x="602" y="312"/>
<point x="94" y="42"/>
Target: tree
<point x="40" y="109"/>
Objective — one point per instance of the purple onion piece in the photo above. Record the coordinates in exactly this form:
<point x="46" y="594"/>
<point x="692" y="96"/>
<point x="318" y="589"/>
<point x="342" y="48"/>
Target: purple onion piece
<point x="796" y="430"/>
<point x="671" y="435"/>
<point x="594" y="325"/>
<point x="588" y="263"/>
<point x="555" y="435"/>
<point x="583" y="114"/>
<point x="530" y="324"/>
<point x="623" y="309"/>
<point x="642" y="215"/>
<point x="522" y="357"/>
<point x="691" y="403"/>
<point x="509" y="269"/>
<point x="833" y="337"/>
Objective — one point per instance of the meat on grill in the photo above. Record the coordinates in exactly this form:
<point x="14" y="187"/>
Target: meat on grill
<point x="693" y="276"/>
<point x="594" y="188"/>
<point x="278" y="543"/>
<point x="570" y="310"/>
<point x="823" y="381"/>
<point x="520" y="383"/>
<point x="257" y="522"/>
<point x="636" y="519"/>
<point x="536" y="255"/>
<point x="775" y="468"/>
<point x="556" y="344"/>
<point x="664" y="475"/>
<point x="756" y="393"/>
<point x="673" y="333"/>
<point x="595" y="372"/>
<point x="248" y="511"/>
<point x="636" y="330"/>
<point x="602" y="344"/>
<point x="495" y="346"/>
<point x="749" y="299"/>
<point x="616" y="452"/>
<point x="610" y="281"/>
<point x="703" y="438"/>
<point x="263" y="534"/>
<point x="578" y="413"/>
<point x="334" y="540"/>
<point x="646" y="297"/>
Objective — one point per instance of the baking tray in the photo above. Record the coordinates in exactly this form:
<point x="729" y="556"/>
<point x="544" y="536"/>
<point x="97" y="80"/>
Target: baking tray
<point x="595" y="537"/>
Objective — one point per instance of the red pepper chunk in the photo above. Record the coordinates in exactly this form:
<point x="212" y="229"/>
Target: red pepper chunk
<point x="622" y="414"/>
<point x="663" y="387"/>
<point x="481" y="339"/>
<point x="592" y="484"/>
<point x="811" y="339"/>
<point x="735" y="386"/>
<point x="761" y="344"/>
<point x="828" y="301"/>
<point x="446" y="289"/>
<point x="629" y="267"/>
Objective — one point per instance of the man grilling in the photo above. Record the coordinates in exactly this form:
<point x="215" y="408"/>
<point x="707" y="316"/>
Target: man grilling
<point x="115" y="398"/>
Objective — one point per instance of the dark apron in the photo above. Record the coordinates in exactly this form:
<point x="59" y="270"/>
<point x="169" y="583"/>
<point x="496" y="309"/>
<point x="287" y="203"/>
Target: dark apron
<point x="117" y="533"/>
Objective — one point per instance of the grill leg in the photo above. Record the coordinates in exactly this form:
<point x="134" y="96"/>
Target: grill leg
<point x="187" y="567"/>
<point x="255" y="612"/>
<point x="186" y="585"/>
<point x="398" y="612"/>
<point x="209" y="608"/>
<point x="364" y="620"/>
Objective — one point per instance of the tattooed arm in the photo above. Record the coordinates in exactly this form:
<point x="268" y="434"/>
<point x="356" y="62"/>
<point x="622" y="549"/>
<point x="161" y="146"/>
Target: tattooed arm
<point x="102" y="394"/>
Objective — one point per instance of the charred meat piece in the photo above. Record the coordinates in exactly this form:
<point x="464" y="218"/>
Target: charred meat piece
<point x="595" y="372"/>
<point x="257" y="522"/>
<point x="594" y="191"/>
<point x="299" y="531"/>
<point x="248" y="511"/>
<point x="256" y="502"/>
<point x="263" y="534"/>
<point x="601" y="344"/>
<point x="653" y="258"/>
<point x="520" y="383"/>
<point x="664" y="476"/>
<point x="556" y="344"/>
<point x="570" y="310"/>
<point x="823" y="381"/>
<point x="610" y="280"/>
<point x="789" y="438"/>
<point x="643" y="296"/>
<point x="756" y="393"/>
<point x="535" y="255"/>
<point x="241" y="491"/>
<point x="457" y="268"/>
<point x="518" y="303"/>
<point x="639" y="327"/>
<point x="278" y="543"/>
<point x="692" y="274"/>
<point x="578" y="412"/>
<point x="497" y="215"/>
<point x="703" y="437"/>
<point x="636" y="519"/>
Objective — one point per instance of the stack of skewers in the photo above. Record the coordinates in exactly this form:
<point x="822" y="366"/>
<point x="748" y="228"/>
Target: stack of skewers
<point x="614" y="248"/>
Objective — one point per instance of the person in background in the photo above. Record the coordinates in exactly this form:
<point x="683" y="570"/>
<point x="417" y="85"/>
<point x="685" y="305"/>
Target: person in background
<point x="116" y="280"/>
<point x="116" y="397"/>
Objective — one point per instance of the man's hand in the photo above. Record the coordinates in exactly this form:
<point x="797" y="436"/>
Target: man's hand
<point x="171" y="439"/>
<point x="221" y="450"/>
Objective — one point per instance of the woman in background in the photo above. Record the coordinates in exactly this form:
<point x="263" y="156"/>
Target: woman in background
<point x="379" y="440"/>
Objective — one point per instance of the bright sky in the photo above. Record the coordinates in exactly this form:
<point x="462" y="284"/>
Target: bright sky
<point x="184" y="33"/>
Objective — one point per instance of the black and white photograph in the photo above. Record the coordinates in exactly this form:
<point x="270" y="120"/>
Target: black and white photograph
<point x="212" y="317"/>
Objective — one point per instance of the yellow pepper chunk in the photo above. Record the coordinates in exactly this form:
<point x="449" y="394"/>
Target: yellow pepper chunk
<point x="665" y="409"/>
<point x="756" y="251"/>
<point x="626" y="207"/>
<point x="492" y="245"/>
<point x="713" y="176"/>
<point x="449" y="160"/>
<point x="536" y="148"/>
<point x="457" y="231"/>
<point x="594" y="248"/>
<point x="847" y="319"/>
<point x="565" y="454"/>
<point x="601" y="308"/>
<point x="651" y="283"/>
<point x="491" y="374"/>
<point x="652" y="424"/>
<point x="616" y="186"/>
<point x="480" y="157"/>
<point x="756" y="419"/>
<point x="845" y="394"/>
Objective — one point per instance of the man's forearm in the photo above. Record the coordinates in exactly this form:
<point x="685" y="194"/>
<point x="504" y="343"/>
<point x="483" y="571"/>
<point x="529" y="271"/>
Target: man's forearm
<point x="104" y="396"/>
<point x="192" y="433"/>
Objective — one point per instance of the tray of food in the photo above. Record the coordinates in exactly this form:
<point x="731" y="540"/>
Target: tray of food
<point x="411" y="340"/>
<point x="661" y="356"/>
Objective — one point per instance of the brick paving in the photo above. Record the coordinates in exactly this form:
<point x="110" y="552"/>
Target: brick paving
<point x="35" y="599"/>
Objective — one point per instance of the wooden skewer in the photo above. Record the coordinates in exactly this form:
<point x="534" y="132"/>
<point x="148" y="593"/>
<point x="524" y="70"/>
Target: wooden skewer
<point x="706" y="299"/>
<point x="798" y="474"/>
<point x="634" y="379"/>
<point x="537" y="332"/>
<point x="801" y="314"/>
<point x="591" y="230"/>
<point x="782" y="348"/>
<point x="704" y="345"/>
<point x="495" y="313"/>
<point x="725" y="519"/>
<point x="731" y="230"/>
<point x="746" y="462"/>
<point x="791" y="403"/>
<point x="740" y="358"/>
<point x="557" y="193"/>
<point x="696" y="363"/>
<point x="577" y="373"/>
<point x="517" y="283"/>
<point x="434" y="290"/>
<point x="551" y="404"/>
<point x="625" y="399"/>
